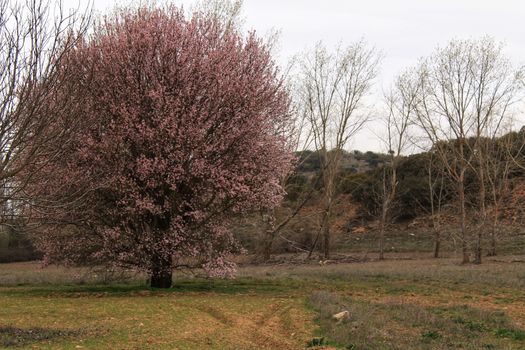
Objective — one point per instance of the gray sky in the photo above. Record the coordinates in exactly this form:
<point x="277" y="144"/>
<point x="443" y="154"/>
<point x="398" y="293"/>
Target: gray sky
<point x="404" y="30"/>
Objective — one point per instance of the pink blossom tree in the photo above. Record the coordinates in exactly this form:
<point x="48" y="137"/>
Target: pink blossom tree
<point x="181" y="124"/>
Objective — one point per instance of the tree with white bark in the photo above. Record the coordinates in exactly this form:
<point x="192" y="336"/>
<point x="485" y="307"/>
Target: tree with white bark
<point x="332" y="90"/>
<point x="466" y="93"/>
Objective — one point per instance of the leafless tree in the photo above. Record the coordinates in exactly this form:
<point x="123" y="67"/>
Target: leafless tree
<point x="467" y="89"/>
<point x="498" y="87"/>
<point x="35" y="36"/>
<point x="499" y="163"/>
<point x="333" y="89"/>
<point x="400" y="106"/>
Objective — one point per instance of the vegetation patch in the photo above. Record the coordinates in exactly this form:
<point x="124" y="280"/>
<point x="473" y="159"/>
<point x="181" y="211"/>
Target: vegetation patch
<point x="514" y="334"/>
<point x="389" y="325"/>
<point x="429" y="336"/>
<point x="15" y="337"/>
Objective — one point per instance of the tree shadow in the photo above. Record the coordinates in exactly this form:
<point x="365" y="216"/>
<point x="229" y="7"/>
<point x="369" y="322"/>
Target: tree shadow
<point x="227" y="286"/>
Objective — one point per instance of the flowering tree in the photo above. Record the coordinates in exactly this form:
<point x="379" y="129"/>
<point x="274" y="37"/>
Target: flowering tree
<point x="181" y="125"/>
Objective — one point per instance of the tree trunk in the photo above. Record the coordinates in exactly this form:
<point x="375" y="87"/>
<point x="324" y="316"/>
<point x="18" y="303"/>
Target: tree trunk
<point x="382" y="240"/>
<point x="269" y="235"/>
<point x="382" y="223"/>
<point x="325" y="223"/>
<point x="389" y="194"/>
<point x="267" y="247"/>
<point x="435" y="218"/>
<point x="483" y="214"/>
<point x="437" y="243"/>
<point x="463" y="219"/>
<point x="477" y="255"/>
<point x="326" y="234"/>
<point x="493" y="233"/>
<point x="314" y="244"/>
<point x="492" y="251"/>
<point x="382" y="227"/>
<point x="161" y="274"/>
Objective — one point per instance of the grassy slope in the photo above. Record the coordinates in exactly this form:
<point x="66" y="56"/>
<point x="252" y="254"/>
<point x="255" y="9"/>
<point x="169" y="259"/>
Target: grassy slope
<point x="412" y="304"/>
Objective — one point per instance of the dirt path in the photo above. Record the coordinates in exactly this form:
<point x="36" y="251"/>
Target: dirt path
<point x="174" y="321"/>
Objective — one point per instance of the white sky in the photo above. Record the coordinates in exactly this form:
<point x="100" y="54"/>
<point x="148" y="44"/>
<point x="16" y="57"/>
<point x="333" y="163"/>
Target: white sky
<point x="404" y="30"/>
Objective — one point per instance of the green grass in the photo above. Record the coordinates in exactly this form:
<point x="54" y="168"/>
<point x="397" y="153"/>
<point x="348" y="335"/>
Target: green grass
<point x="405" y="304"/>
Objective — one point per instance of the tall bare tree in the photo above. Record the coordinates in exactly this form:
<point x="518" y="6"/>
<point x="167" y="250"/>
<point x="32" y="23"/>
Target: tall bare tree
<point x="400" y="105"/>
<point x="467" y="89"/>
<point x="333" y="89"/>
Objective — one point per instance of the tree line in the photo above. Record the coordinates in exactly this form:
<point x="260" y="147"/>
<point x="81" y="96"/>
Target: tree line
<point x="457" y="106"/>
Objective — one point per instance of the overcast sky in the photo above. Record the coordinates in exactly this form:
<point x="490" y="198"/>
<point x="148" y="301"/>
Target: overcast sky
<point x="404" y="30"/>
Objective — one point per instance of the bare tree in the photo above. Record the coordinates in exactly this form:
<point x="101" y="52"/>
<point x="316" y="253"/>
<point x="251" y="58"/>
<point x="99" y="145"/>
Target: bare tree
<point x="436" y="192"/>
<point x="467" y="89"/>
<point x="332" y="91"/>
<point x="227" y="12"/>
<point x="498" y="86"/>
<point x="499" y="156"/>
<point x="400" y="103"/>
<point x="35" y="35"/>
<point x="300" y="136"/>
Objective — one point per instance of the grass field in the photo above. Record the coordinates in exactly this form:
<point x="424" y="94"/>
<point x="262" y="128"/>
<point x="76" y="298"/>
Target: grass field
<point x="394" y="304"/>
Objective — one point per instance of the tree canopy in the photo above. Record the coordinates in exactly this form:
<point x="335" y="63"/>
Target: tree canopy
<point x="183" y="124"/>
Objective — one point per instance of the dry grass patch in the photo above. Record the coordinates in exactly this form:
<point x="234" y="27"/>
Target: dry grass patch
<point x="375" y="325"/>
